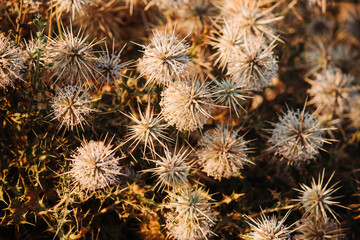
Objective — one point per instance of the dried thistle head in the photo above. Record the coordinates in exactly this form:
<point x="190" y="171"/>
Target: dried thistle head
<point x="165" y="59"/>
<point x="354" y="111"/>
<point x="72" y="6"/>
<point x="320" y="3"/>
<point x="147" y="130"/>
<point x="71" y="58"/>
<point x="225" y="39"/>
<point x="94" y="165"/>
<point x="11" y="62"/>
<point x="71" y="107"/>
<point x="269" y="228"/>
<point x="252" y="17"/>
<point x="191" y="215"/>
<point x="317" y="199"/>
<point x="313" y="228"/>
<point x="228" y="93"/>
<point x="298" y="136"/>
<point x="331" y="91"/>
<point x="222" y="153"/>
<point x="110" y="67"/>
<point x="254" y="64"/>
<point x="171" y="169"/>
<point x="168" y="4"/>
<point x="187" y="104"/>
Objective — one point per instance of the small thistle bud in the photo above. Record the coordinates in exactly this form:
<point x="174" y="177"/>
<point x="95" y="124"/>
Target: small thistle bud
<point x="331" y="91"/>
<point x="71" y="58"/>
<point x="94" y="165"/>
<point x="317" y="199"/>
<point x="254" y="64"/>
<point x="313" y="228"/>
<point x="147" y="129"/>
<point x="71" y="106"/>
<point x="171" y="169"/>
<point x="191" y="216"/>
<point x="187" y="104"/>
<point x="269" y="228"/>
<point x="11" y="62"/>
<point x="222" y="153"/>
<point x="165" y="59"/>
<point x="228" y="93"/>
<point x="298" y="137"/>
<point x="109" y="66"/>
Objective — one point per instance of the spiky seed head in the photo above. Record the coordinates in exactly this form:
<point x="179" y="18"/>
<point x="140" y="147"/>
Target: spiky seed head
<point x="266" y="228"/>
<point x="225" y="39"/>
<point x="94" y="165"/>
<point x="147" y="130"/>
<point x="71" y="106"/>
<point x="298" y="136"/>
<point x="313" y="228"/>
<point x="187" y="104"/>
<point x="252" y="17"/>
<point x="71" y="58"/>
<point x="354" y="111"/>
<point x="109" y="66"/>
<point x="320" y="3"/>
<point x="11" y="62"/>
<point x="165" y="59"/>
<point x="352" y="24"/>
<point x="72" y="6"/>
<point x="228" y="93"/>
<point x="317" y="199"/>
<point x="331" y="91"/>
<point x="222" y="153"/>
<point x="191" y="215"/>
<point x="171" y="169"/>
<point x="254" y="64"/>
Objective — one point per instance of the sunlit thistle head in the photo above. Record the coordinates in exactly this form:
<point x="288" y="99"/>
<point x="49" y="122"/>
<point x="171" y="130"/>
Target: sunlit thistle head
<point x="191" y="215"/>
<point x="72" y="6"/>
<point x="168" y="4"/>
<point x="94" y="165"/>
<point x="298" y="136"/>
<point x="11" y="62"/>
<point x="71" y="107"/>
<point x="254" y="19"/>
<point x="147" y="130"/>
<point x="266" y="228"/>
<point x="225" y="39"/>
<point x="317" y="199"/>
<point x="222" y="153"/>
<point x="71" y="58"/>
<point x="313" y="228"/>
<point x="171" y="169"/>
<point x="331" y="91"/>
<point x="254" y="64"/>
<point x="187" y="104"/>
<point x="228" y="93"/>
<point x="165" y="59"/>
<point x="109" y="66"/>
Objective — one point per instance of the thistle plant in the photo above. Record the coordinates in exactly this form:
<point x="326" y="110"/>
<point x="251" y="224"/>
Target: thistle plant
<point x="11" y="62"/>
<point x="94" y="165"/>
<point x="269" y="228"/>
<point x="191" y="215"/>
<point x="331" y="91"/>
<point x="254" y="64"/>
<point x="71" y="107"/>
<point x="171" y="169"/>
<point x="228" y="93"/>
<point x="147" y="130"/>
<point x="72" y="6"/>
<point x="71" y="58"/>
<point x="165" y="59"/>
<point x="222" y="153"/>
<point x="317" y="199"/>
<point x="298" y="137"/>
<point x="187" y="104"/>
<point x="313" y="228"/>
